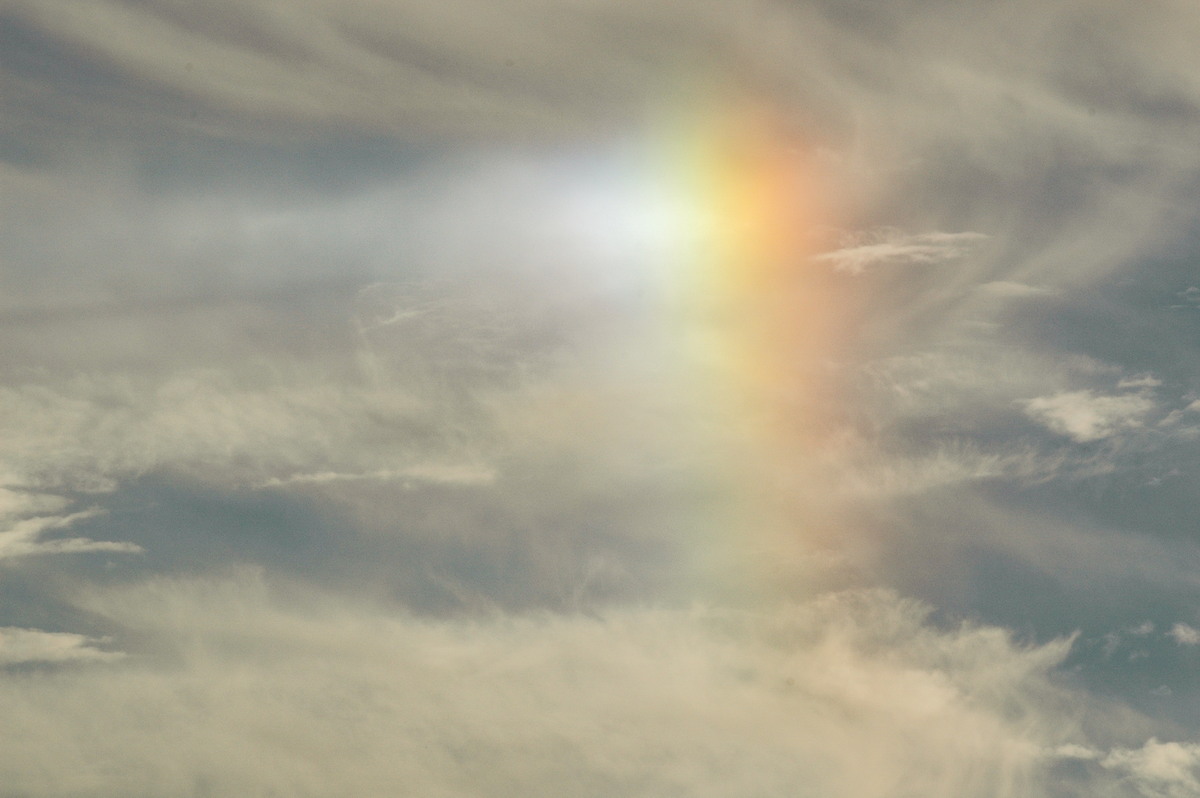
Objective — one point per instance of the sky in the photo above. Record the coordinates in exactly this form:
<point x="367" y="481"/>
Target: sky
<point x="719" y="398"/>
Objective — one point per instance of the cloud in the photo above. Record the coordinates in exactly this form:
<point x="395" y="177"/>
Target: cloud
<point x="860" y="470"/>
<point x="22" y="646"/>
<point x="417" y="71"/>
<point x="889" y="247"/>
<point x="1085" y="416"/>
<point x="1075" y="751"/>
<point x="17" y="503"/>
<point x="958" y="414"/>
<point x="1152" y="770"/>
<point x="1185" y="635"/>
<point x="1142" y="381"/>
<point x="237" y="687"/>
<point x="451" y="474"/>
<point x="255" y="304"/>
<point x="1111" y="642"/>
<point x="95" y="431"/>
<point x="28" y="518"/>
<point x="1158" y="770"/>
<point x="25" y="538"/>
<point x="1007" y="290"/>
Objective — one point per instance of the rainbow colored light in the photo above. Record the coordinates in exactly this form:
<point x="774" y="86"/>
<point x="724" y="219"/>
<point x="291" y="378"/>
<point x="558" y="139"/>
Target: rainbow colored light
<point x="712" y="220"/>
<point x="739" y="205"/>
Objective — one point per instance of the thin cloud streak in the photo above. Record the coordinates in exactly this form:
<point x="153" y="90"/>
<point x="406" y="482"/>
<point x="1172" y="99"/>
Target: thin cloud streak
<point x="25" y="538"/>
<point x="891" y="248"/>
<point x="25" y="646"/>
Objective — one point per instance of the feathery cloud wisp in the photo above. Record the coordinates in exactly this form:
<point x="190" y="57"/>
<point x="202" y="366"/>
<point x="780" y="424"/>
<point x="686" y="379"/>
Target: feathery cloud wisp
<point x="1085" y="416"/>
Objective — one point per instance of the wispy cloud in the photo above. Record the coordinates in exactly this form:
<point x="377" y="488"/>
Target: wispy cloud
<point x="1084" y="416"/>
<point x="1007" y="289"/>
<point x="443" y="473"/>
<point x="20" y="646"/>
<point x="25" y="538"/>
<point x="1140" y="382"/>
<point x="891" y="247"/>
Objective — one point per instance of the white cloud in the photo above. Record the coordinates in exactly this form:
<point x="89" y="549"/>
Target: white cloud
<point x="1153" y="770"/>
<point x="23" y="538"/>
<point x="892" y="247"/>
<point x="1008" y="289"/>
<point x="18" y="646"/>
<point x="1185" y="635"/>
<point x="1143" y="381"/>
<point x="1076" y="751"/>
<point x="1085" y="416"/>
<point x="436" y="473"/>
<point x="1159" y="770"/>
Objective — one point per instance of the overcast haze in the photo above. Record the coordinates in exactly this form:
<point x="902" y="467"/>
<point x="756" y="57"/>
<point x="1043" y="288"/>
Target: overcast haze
<point x="350" y="443"/>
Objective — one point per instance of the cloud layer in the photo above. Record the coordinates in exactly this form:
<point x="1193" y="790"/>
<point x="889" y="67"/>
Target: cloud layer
<point x="349" y="439"/>
<point x="850" y="695"/>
